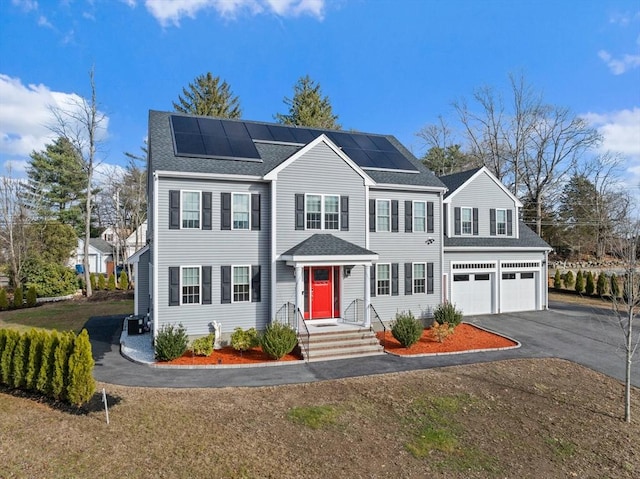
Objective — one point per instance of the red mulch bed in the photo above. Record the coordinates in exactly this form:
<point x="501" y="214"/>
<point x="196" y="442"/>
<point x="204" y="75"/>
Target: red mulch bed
<point x="466" y="337"/>
<point x="228" y="355"/>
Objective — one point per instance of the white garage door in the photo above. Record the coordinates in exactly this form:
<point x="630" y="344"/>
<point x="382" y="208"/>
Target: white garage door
<point x="472" y="293"/>
<point x="518" y="291"/>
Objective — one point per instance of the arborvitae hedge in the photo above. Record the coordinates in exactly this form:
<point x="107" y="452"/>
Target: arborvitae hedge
<point x="20" y="360"/>
<point x="81" y="385"/>
<point x="45" y="375"/>
<point x="94" y="281"/>
<point x="590" y="286"/>
<point x="568" y="279"/>
<point x="615" y="287"/>
<point x="579" y="282"/>
<point x="17" y="297"/>
<point x="4" y="301"/>
<point x="101" y="282"/>
<point x="32" y="297"/>
<point x="124" y="281"/>
<point x="111" y="283"/>
<point x="6" y="361"/>
<point x="557" y="280"/>
<point x="601" y="285"/>
<point x="61" y="366"/>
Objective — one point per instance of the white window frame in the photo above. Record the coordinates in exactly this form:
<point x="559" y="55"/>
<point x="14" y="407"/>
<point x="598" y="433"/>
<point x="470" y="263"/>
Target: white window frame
<point x="182" y="210"/>
<point x="323" y="212"/>
<point x="415" y="217"/>
<point x="182" y="285"/>
<point x="233" y="221"/>
<point x="388" y="280"/>
<point x="378" y="216"/>
<point x="233" y="283"/>
<point x="503" y="223"/>
<point x="463" y="221"/>
<point x="415" y="277"/>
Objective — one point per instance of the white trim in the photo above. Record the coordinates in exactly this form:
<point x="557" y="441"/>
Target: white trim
<point x="182" y="227"/>
<point x="273" y="174"/>
<point x="506" y="223"/>
<point x="205" y="176"/>
<point x="489" y="249"/>
<point x="367" y="228"/>
<point x="182" y="268"/>
<point x="323" y="260"/>
<point x="413" y="277"/>
<point x="135" y="257"/>
<point x="392" y="170"/>
<point x="323" y="211"/>
<point x="486" y="171"/>
<point x="378" y="230"/>
<point x="462" y="209"/>
<point x="250" y="277"/>
<point x="377" y="265"/>
<point x="401" y="187"/>
<point x="413" y="216"/>
<point x="154" y="259"/>
<point x="248" y="228"/>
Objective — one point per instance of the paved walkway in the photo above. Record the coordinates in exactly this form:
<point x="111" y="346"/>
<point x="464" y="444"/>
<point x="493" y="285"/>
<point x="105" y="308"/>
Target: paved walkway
<point x="584" y="335"/>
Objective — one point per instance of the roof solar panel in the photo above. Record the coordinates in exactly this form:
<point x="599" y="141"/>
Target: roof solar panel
<point x="304" y="135"/>
<point x="343" y="140"/>
<point x="188" y="144"/>
<point x="364" y="142"/>
<point x="359" y="156"/>
<point x="217" y="146"/>
<point x="259" y="132"/>
<point x="185" y="124"/>
<point x="281" y="133"/>
<point x="243" y="148"/>
<point x="235" y="129"/>
<point x="210" y="126"/>
<point x="382" y="143"/>
<point x="398" y="161"/>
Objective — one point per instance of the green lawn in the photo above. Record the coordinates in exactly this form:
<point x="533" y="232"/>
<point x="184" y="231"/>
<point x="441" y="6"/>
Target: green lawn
<point x="63" y="316"/>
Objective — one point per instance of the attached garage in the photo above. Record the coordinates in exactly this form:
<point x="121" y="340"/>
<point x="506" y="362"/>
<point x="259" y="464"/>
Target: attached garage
<point x="472" y="293"/>
<point x="519" y="286"/>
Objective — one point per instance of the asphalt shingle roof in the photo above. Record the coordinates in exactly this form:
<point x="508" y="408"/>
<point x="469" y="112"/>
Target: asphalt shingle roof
<point x="456" y="180"/>
<point x="101" y="245"/>
<point x="528" y="239"/>
<point x="327" y="245"/>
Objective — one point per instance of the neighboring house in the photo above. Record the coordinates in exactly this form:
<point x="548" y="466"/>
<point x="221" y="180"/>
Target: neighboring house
<point x="110" y="235"/>
<point x="136" y="240"/>
<point x="249" y="222"/>
<point x="100" y="256"/>
<point x="493" y="263"/>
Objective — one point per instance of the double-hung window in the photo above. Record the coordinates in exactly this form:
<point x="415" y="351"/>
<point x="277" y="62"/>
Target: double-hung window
<point x="331" y="212"/>
<point x="383" y="215"/>
<point x="241" y="284"/>
<point x="190" y="285"/>
<point x="501" y="222"/>
<point x="314" y="212"/>
<point x="241" y="210"/>
<point x="383" y="280"/>
<point x="419" y="277"/>
<point x="419" y="216"/>
<point x="466" y="220"/>
<point x="322" y="212"/>
<point x="191" y="209"/>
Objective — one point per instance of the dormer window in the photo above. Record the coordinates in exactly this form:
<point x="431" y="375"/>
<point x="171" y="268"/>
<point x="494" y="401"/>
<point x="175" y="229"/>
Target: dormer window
<point x="466" y="220"/>
<point x="501" y="221"/>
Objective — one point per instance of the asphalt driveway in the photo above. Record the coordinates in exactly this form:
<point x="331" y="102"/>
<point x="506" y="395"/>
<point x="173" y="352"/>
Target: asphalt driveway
<point x="584" y="335"/>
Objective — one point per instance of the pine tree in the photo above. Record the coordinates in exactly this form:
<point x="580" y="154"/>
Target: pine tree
<point x="579" y="282"/>
<point x="557" y="280"/>
<point x="208" y="97"/>
<point x="568" y="279"/>
<point x="308" y="107"/>
<point x="601" y="285"/>
<point x="44" y="383"/>
<point x="81" y="383"/>
<point x="590" y="286"/>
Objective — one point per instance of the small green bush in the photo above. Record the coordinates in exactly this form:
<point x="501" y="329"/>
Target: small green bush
<point x="171" y="342"/>
<point x="590" y="286"/>
<point x="20" y="361"/>
<point x="447" y="313"/>
<point x="81" y="384"/>
<point x="124" y="281"/>
<point x="49" y="279"/>
<point x="568" y="279"/>
<point x="111" y="282"/>
<point x="6" y="361"/>
<point x="440" y="332"/>
<point x="615" y="286"/>
<point x="94" y="281"/>
<point x="278" y="339"/>
<point x="36" y="344"/>
<point x="203" y="346"/>
<point x="557" y="280"/>
<point x="601" y="284"/>
<point x="32" y="297"/>
<point x="242" y="340"/>
<point x="579" y="282"/>
<point x="102" y="282"/>
<point x="406" y="329"/>
<point x="18" y="299"/>
<point x="44" y="382"/>
<point x="4" y="301"/>
<point x="60" y="380"/>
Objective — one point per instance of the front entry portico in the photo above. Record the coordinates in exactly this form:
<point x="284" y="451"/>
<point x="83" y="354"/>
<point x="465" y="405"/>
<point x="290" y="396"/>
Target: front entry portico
<point x="321" y="292"/>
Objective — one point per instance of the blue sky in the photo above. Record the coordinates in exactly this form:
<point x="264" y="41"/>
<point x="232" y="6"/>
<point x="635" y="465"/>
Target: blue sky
<point x="388" y="67"/>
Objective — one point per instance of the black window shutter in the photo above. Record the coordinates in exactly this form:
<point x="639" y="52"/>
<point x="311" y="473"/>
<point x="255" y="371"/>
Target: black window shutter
<point x="225" y="211"/>
<point x="429" y="278"/>
<point x="408" y="216"/>
<point x="206" y="210"/>
<point x="174" y="286"/>
<point x="174" y="210"/>
<point x="445" y="214"/>
<point x="255" y="211"/>
<point x="372" y="215"/>
<point x="456" y="215"/>
<point x="509" y="223"/>
<point x="372" y="280"/>
<point x="206" y="285"/>
<point x="225" y="284"/>
<point x="408" y="278"/>
<point x="344" y="213"/>
<point x="299" y="211"/>
<point x="475" y="221"/>
<point x="394" y="279"/>
<point x="255" y="284"/>
<point x="394" y="216"/>
<point x="430" y="217"/>
<point x="492" y="222"/>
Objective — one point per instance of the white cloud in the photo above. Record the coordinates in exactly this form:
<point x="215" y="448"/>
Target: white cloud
<point x="171" y="12"/>
<point x="26" y="5"/>
<point x="619" y="65"/>
<point x="44" y="22"/>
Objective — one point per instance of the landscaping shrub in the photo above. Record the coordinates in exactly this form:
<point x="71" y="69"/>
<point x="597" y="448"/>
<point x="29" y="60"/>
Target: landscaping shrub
<point x="447" y="313"/>
<point x="171" y="342"/>
<point x="94" y="281"/>
<point x="111" y="283"/>
<point x="440" y="332"/>
<point x="34" y="363"/>
<point x="81" y="384"/>
<point x="203" y="346"/>
<point x="20" y="360"/>
<point x="615" y="287"/>
<point x="4" y="301"/>
<point x="44" y="383"/>
<point x="406" y="329"/>
<point x="49" y="279"/>
<point x="242" y="340"/>
<point x="579" y="287"/>
<point x="278" y="339"/>
<point x="124" y="281"/>
<point x="102" y="283"/>
<point x="60" y="380"/>
<point x="557" y="280"/>
<point x="18" y="299"/>
<point x="568" y="279"/>
<point x="6" y="361"/>
<point x="601" y="284"/>
<point x="590" y="286"/>
<point x="32" y="297"/>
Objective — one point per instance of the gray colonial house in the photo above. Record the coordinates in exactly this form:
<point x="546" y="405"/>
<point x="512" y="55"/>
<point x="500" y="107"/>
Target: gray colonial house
<point x="251" y="222"/>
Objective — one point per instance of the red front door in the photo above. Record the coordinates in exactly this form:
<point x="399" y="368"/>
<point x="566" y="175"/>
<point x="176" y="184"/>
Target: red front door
<point x="321" y="279"/>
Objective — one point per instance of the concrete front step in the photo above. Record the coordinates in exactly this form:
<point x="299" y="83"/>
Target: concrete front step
<point x="340" y="344"/>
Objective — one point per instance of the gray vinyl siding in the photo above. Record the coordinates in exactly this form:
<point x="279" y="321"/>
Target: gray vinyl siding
<point x="484" y="194"/>
<point x="320" y="171"/>
<point x="215" y="248"/>
<point x="142" y="283"/>
<point x="401" y="247"/>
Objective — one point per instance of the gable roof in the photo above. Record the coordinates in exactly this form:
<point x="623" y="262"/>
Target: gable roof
<point x="163" y="157"/>
<point x="528" y="239"/>
<point x="457" y="181"/>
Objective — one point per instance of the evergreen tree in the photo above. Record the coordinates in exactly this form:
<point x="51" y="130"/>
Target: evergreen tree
<point x="20" y="361"/>
<point x="601" y="285"/>
<point x="6" y="361"/>
<point x="124" y="281"/>
<point x="81" y="383"/>
<point x="44" y="382"/>
<point x="102" y="283"/>
<point x="568" y="279"/>
<point x="308" y="107"/>
<point x="111" y="283"/>
<point x="36" y="345"/>
<point x="4" y="301"/>
<point x="208" y="97"/>
<point x="557" y="280"/>
<point x="61" y="366"/>
<point x="615" y="287"/>
<point x="18" y="298"/>
<point x="579" y="282"/>
<point x="448" y="160"/>
<point x="590" y="285"/>
<point x="32" y="297"/>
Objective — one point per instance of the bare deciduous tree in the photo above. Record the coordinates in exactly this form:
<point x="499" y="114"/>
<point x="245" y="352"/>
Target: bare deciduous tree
<point x="14" y="220"/>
